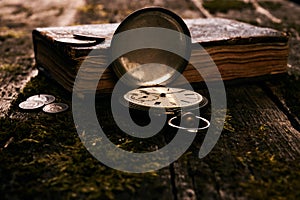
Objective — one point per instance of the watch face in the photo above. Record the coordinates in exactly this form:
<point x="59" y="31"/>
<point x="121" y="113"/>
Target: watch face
<point x="163" y="97"/>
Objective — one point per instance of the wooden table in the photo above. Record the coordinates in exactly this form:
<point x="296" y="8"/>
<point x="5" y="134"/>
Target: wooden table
<point x="256" y="157"/>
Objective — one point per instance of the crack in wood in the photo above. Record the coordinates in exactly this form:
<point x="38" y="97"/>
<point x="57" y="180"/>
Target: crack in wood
<point x="295" y="122"/>
<point x="173" y="184"/>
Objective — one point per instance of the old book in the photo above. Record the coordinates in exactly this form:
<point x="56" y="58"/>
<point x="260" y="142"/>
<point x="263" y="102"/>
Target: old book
<point x="239" y="50"/>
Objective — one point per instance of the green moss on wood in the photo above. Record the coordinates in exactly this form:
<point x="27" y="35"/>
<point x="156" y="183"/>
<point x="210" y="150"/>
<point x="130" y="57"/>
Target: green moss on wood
<point x="46" y="159"/>
<point x="6" y="33"/>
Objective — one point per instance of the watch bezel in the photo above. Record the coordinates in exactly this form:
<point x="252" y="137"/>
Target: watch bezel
<point x="165" y="110"/>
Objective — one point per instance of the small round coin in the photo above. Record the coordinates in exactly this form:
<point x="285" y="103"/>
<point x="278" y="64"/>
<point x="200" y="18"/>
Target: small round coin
<point x="55" y="107"/>
<point x="46" y="98"/>
<point x="31" y="104"/>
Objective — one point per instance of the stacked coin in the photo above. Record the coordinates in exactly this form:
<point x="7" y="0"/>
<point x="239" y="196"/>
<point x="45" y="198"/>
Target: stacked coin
<point x="38" y="101"/>
<point x="45" y="98"/>
<point x="31" y="105"/>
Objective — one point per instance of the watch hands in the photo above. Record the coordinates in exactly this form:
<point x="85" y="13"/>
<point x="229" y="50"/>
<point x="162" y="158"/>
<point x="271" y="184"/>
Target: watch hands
<point x="159" y="93"/>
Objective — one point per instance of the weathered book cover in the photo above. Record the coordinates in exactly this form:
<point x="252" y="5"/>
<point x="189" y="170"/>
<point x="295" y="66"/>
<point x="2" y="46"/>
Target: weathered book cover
<point x="239" y="50"/>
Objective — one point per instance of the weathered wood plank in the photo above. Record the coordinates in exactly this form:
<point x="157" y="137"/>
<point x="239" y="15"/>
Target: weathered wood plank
<point x="184" y="186"/>
<point x="194" y="179"/>
<point x="286" y="93"/>
<point x="261" y="111"/>
<point x="259" y="147"/>
<point x="151" y="185"/>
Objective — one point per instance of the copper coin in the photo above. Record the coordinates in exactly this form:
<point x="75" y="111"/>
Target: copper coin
<point x="55" y="107"/>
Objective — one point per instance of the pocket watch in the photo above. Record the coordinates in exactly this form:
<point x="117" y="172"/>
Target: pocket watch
<point x="163" y="98"/>
<point x="151" y="70"/>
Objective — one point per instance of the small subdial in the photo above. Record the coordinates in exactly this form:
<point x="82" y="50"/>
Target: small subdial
<point x="143" y="97"/>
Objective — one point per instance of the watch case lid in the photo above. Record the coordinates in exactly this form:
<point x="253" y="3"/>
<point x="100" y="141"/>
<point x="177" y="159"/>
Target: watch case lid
<point x="146" y="67"/>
